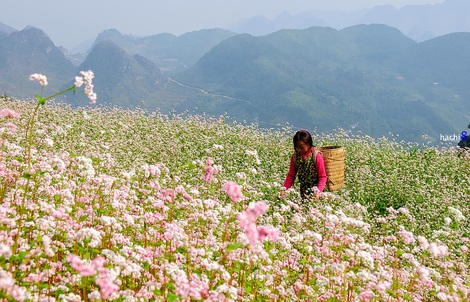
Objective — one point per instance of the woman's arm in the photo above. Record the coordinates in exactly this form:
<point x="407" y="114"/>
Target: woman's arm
<point x="290" y="178"/>
<point x="320" y="163"/>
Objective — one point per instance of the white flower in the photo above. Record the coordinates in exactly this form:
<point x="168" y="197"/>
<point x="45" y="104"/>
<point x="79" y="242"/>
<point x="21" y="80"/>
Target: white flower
<point x="87" y="79"/>
<point x="49" y="142"/>
<point x="447" y="220"/>
<point x="457" y="214"/>
<point x="42" y="79"/>
<point x="5" y="251"/>
<point x="89" y="233"/>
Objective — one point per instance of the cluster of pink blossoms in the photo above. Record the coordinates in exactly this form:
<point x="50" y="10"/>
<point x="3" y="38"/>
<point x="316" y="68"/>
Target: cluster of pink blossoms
<point x="87" y="79"/>
<point x="86" y="269"/>
<point x="233" y="190"/>
<point x="247" y="221"/>
<point x="209" y="169"/>
<point x="8" y="113"/>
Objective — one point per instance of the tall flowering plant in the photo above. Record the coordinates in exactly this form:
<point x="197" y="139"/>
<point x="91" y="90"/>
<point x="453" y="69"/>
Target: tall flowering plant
<point x="85" y="77"/>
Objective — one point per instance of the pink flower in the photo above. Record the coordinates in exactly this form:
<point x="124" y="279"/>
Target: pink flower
<point x="268" y="231"/>
<point x="464" y="249"/>
<point x="423" y="273"/>
<point x="383" y="286"/>
<point x="408" y="237"/>
<point x="438" y="250"/>
<point x="247" y="219"/>
<point x="11" y="127"/>
<point x="42" y="79"/>
<point x="5" y="112"/>
<point x="233" y="190"/>
<point x="210" y="171"/>
<point x="107" y="287"/>
<point x="423" y="242"/>
<point x="85" y="268"/>
<point x="366" y="295"/>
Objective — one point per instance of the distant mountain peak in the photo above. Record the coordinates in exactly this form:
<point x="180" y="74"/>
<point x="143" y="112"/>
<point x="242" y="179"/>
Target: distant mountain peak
<point x="6" y="29"/>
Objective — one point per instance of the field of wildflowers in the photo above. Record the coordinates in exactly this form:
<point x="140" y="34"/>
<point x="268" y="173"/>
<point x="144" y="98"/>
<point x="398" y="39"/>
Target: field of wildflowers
<point x="109" y="204"/>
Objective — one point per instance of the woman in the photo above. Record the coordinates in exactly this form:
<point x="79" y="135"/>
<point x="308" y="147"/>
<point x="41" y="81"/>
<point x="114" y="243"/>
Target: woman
<point x="307" y="164"/>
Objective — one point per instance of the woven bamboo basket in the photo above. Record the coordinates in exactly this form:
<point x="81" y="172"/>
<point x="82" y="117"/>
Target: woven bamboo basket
<point x="334" y="166"/>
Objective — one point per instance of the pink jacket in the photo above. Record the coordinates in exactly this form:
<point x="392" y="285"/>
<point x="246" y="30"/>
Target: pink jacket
<point x="320" y="170"/>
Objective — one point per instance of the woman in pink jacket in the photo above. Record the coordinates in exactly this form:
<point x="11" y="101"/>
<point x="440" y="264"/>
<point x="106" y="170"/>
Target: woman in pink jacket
<point x="307" y="165"/>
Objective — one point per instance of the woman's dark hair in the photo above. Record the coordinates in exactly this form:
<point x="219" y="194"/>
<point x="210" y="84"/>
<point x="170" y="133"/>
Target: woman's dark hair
<point x="304" y="136"/>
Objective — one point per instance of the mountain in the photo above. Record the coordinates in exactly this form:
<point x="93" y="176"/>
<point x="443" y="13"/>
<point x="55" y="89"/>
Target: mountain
<point x="371" y="78"/>
<point x="120" y="79"/>
<point x="419" y="22"/>
<point x="366" y="77"/>
<point x="171" y="53"/>
<point x="31" y="51"/>
<point x="6" y="29"/>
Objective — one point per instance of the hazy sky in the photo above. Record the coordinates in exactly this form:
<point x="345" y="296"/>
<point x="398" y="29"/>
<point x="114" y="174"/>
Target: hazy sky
<point x="69" y="23"/>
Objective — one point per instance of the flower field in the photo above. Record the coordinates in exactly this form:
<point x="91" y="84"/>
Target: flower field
<point x="110" y="204"/>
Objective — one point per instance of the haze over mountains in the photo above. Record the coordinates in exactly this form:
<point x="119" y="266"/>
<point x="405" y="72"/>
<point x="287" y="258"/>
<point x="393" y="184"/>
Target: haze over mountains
<point x="419" y="22"/>
<point x="371" y="78"/>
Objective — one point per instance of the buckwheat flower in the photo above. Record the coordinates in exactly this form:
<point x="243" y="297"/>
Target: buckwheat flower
<point x="333" y="218"/>
<point x="87" y="79"/>
<point x="423" y="273"/>
<point x="84" y="269"/>
<point x="11" y="127"/>
<point x="442" y="296"/>
<point x="383" y="286"/>
<point x="268" y="231"/>
<point x="423" y="242"/>
<point x="241" y="175"/>
<point x="366" y="257"/>
<point x="438" y="250"/>
<point x="5" y="251"/>
<point x="209" y="169"/>
<point x="49" y="142"/>
<point x="408" y="237"/>
<point x="5" y="112"/>
<point x="457" y="214"/>
<point x="94" y="295"/>
<point x="78" y="81"/>
<point x="464" y="249"/>
<point x="91" y="234"/>
<point x="317" y="237"/>
<point x="233" y="191"/>
<point x="42" y="79"/>
<point x="364" y="275"/>
<point x="366" y="295"/>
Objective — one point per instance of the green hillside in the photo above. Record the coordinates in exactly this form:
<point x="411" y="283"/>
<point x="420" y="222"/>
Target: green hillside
<point x="171" y="53"/>
<point x="369" y="78"/>
<point x="27" y="52"/>
<point x="121" y="79"/>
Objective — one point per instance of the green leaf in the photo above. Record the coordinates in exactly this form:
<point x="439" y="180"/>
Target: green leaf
<point x="172" y="297"/>
<point x="234" y="246"/>
<point x="27" y="175"/>
<point x="189" y="166"/>
<point x="41" y="99"/>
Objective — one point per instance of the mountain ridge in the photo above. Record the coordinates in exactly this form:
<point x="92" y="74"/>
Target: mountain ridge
<point x="364" y="77"/>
